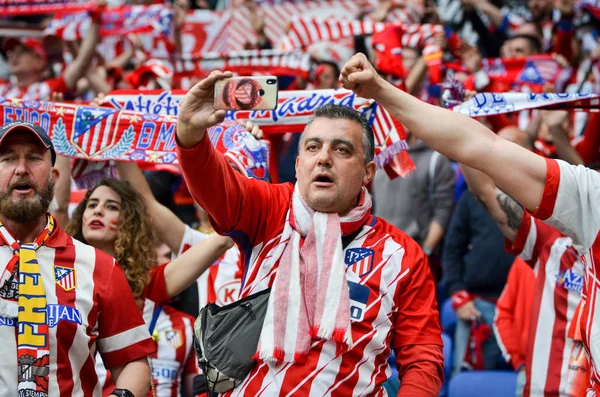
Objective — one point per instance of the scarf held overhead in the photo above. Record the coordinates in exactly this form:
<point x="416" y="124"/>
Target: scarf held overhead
<point x="156" y="19"/>
<point x="294" y="110"/>
<point x="491" y="103"/>
<point x="31" y="7"/>
<point x="319" y="306"/>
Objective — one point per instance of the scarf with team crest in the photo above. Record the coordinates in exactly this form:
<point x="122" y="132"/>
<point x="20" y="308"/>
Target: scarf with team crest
<point x="22" y="296"/>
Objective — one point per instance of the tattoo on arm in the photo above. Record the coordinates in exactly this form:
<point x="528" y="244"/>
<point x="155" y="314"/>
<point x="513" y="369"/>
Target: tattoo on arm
<point x="481" y="202"/>
<point x="512" y="209"/>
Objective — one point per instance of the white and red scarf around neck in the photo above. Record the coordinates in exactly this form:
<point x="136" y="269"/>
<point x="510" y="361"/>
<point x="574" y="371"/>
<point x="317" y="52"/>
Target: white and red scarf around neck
<point x="311" y="283"/>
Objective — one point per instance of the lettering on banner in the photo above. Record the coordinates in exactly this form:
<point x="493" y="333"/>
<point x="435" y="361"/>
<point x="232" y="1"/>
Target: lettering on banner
<point x="29" y="115"/>
<point x="164" y="104"/>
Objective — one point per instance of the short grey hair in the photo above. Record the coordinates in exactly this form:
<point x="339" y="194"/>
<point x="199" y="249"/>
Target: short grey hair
<point x="332" y="111"/>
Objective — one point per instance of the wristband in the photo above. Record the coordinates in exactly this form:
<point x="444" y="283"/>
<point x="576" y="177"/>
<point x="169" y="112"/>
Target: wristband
<point x="459" y="298"/>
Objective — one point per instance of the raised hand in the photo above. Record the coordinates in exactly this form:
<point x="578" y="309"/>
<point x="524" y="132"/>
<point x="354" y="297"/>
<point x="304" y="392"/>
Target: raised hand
<point x="197" y="110"/>
<point x="361" y="77"/>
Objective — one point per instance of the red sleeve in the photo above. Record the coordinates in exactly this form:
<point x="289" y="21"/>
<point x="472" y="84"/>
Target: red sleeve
<point x="156" y="290"/>
<point x="516" y="247"/>
<point x="122" y="334"/>
<point x="57" y="85"/>
<point x="421" y="370"/>
<point x="550" y="191"/>
<point x="417" y="321"/>
<point x="504" y="324"/>
<point x="235" y="203"/>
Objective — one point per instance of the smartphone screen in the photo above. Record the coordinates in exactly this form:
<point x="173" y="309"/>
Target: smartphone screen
<point x="246" y="93"/>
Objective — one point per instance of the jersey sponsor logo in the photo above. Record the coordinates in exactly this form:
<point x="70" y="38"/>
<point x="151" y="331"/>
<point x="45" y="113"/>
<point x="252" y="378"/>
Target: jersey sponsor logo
<point x="228" y="293"/>
<point x="65" y="277"/>
<point x="359" y="296"/>
<point x="58" y="313"/>
<point x="8" y="322"/>
<point x="570" y="281"/>
<point x="359" y="260"/>
<point x="164" y="371"/>
<point x="174" y="338"/>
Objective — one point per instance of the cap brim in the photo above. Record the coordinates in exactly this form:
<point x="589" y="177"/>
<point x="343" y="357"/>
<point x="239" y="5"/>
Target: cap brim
<point x="15" y="128"/>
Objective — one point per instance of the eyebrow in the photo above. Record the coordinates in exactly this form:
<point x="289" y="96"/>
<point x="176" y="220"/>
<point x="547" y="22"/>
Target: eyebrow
<point x="108" y="201"/>
<point x="334" y="142"/>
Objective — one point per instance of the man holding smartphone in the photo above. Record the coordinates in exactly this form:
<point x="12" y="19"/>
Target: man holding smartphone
<point x="346" y="287"/>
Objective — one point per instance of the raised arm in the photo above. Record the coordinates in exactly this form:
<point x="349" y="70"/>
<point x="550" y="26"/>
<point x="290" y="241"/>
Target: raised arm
<point x="236" y="204"/>
<point x="62" y="190"/>
<point x="506" y="211"/>
<point x="187" y="267"/>
<point x="517" y="171"/>
<point x="170" y="229"/>
<point x="76" y="69"/>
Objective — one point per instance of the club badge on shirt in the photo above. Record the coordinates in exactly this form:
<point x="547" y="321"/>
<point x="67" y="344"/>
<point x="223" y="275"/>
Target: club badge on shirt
<point x="359" y="260"/>
<point x="65" y="277"/>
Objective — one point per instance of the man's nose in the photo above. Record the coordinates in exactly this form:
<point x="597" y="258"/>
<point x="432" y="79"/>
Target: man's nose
<point x="325" y="157"/>
<point x="22" y="167"/>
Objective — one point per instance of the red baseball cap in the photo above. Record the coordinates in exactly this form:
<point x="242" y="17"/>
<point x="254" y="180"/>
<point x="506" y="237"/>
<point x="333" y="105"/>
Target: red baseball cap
<point x="34" y="45"/>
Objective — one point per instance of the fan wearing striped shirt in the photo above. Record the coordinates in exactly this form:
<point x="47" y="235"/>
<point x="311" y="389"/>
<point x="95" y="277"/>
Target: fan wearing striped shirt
<point x="113" y="218"/>
<point x="346" y="288"/>
<point x="562" y="195"/>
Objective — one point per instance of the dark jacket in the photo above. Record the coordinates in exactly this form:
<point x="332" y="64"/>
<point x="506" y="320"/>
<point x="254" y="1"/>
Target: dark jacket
<point x="411" y="203"/>
<point x="474" y="258"/>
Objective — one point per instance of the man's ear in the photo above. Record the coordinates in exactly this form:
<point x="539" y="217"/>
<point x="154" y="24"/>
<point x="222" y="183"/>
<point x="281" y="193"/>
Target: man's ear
<point x="370" y="170"/>
<point x="55" y="173"/>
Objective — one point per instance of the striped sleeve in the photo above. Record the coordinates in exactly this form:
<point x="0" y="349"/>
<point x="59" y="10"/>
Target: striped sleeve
<point x="123" y="336"/>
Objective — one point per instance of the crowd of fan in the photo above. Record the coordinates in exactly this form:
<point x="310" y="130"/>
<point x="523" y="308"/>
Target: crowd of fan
<point x="470" y="240"/>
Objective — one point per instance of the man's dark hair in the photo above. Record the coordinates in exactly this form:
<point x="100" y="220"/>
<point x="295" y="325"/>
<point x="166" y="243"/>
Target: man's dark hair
<point x="534" y="43"/>
<point x="332" y="111"/>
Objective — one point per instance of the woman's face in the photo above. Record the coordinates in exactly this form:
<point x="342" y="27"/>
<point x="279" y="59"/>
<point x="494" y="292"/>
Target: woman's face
<point x="101" y="218"/>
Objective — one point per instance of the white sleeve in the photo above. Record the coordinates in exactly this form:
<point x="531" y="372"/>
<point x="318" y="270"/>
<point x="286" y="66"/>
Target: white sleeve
<point x="571" y="202"/>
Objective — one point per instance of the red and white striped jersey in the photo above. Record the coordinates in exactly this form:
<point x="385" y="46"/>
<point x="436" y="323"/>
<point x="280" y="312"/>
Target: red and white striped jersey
<point x="570" y="204"/>
<point x="559" y="284"/>
<point x="95" y="312"/>
<point x="392" y="303"/>
<point x="221" y="283"/>
<point x="175" y="357"/>
<point x="35" y="92"/>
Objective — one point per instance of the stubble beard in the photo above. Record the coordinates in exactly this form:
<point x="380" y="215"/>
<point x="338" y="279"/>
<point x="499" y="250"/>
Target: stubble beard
<point x="30" y="209"/>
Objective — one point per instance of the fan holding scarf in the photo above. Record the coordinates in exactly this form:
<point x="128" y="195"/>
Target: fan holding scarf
<point x="60" y="300"/>
<point x="346" y="287"/>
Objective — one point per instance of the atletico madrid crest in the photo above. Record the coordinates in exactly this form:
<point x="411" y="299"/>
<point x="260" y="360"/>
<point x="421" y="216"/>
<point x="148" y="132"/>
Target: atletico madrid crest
<point x="174" y="338"/>
<point x="359" y="260"/>
<point x="65" y="277"/>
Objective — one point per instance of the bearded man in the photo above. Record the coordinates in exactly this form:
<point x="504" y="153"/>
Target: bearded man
<point x="60" y="300"/>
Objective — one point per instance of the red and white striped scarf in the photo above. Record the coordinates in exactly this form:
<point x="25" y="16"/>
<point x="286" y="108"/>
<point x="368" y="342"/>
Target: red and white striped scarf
<point x="300" y="311"/>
